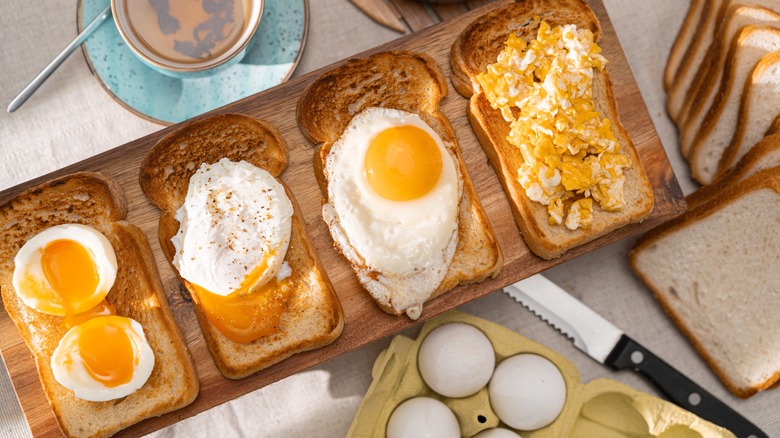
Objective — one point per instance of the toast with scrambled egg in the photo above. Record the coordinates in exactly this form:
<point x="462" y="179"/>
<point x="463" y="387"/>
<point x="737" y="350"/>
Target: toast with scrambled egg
<point x="305" y="312"/>
<point x="563" y="199"/>
<point x="347" y="112"/>
<point x="96" y="201"/>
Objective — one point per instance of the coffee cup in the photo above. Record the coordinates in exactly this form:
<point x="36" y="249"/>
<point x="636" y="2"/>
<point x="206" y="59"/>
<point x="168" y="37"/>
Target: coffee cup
<point x="188" y="38"/>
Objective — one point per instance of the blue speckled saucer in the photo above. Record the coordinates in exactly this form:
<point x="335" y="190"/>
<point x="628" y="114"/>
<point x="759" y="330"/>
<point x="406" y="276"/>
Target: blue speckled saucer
<point x="271" y="59"/>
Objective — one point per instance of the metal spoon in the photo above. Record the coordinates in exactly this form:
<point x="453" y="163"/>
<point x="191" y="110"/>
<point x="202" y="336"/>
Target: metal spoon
<point x="46" y="72"/>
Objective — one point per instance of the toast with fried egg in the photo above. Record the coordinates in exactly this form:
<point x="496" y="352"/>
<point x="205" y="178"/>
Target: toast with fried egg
<point x="310" y="315"/>
<point x="479" y="46"/>
<point x="352" y="108"/>
<point x="96" y="201"/>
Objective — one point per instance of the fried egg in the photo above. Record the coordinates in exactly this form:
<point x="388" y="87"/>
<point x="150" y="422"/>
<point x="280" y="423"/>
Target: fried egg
<point x="104" y="358"/>
<point x="394" y="189"/>
<point x="65" y="270"/>
<point x="234" y="231"/>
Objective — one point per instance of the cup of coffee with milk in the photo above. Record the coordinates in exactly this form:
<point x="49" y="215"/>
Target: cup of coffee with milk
<point x="188" y="38"/>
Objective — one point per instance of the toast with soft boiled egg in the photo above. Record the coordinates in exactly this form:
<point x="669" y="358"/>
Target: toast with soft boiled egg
<point x="398" y="200"/>
<point x="567" y="165"/>
<point x="68" y="261"/>
<point x="234" y="235"/>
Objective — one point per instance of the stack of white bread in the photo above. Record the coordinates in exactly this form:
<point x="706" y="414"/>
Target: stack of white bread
<point x="716" y="269"/>
<point x="723" y="81"/>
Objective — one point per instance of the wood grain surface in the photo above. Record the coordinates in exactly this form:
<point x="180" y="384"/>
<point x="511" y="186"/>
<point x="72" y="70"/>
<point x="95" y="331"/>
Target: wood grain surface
<point x="365" y="323"/>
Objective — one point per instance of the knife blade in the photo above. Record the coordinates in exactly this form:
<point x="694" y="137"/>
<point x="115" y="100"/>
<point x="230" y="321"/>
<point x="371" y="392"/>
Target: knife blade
<point x="609" y="345"/>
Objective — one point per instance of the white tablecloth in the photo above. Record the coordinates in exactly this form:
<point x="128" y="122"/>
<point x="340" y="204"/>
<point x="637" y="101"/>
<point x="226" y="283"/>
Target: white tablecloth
<point x="71" y="118"/>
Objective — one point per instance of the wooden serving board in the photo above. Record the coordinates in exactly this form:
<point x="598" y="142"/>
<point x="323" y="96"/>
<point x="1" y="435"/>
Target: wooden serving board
<point x="365" y="323"/>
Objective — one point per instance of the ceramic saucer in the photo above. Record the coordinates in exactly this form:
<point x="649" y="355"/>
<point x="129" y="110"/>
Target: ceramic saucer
<point x="271" y="59"/>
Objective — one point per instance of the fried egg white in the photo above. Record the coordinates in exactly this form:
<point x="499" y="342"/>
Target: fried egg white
<point x="234" y="231"/>
<point x="65" y="270"/>
<point x="394" y="191"/>
<point x="104" y="358"/>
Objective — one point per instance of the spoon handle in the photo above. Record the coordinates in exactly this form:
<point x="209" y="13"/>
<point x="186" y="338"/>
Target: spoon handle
<point x="46" y="72"/>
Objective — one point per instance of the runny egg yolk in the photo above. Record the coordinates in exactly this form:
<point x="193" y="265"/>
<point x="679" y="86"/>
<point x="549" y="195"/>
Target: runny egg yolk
<point x="72" y="273"/>
<point x="403" y="163"/>
<point x="107" y="351"/>
<point x="250" y="312"/>
<point x="102" y="309"/>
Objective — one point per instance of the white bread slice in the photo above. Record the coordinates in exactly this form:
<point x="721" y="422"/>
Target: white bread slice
<point x="705" y="31"/>
<point x="720" y="123"/>
<point x="715" y="271"/>
<point x="764" y="155"/>
<point x="683" y="41"/>
<point x="708" y="79"/>
<point x="759" y="107"/>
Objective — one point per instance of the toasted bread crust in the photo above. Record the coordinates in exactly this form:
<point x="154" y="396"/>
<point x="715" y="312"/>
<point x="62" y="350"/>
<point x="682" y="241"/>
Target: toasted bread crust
<point x="411" y="82"/>
<point x="314" y="316"/>
<point x="769" y="178"/>
<point x="477" y="47"/>
<point x="94" y="200"/>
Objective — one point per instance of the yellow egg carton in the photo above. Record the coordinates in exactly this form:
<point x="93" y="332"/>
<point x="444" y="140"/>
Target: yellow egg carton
<point x="602" y="408"/>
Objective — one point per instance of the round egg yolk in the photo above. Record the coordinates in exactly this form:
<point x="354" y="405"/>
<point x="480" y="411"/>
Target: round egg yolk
<point x="72" y="274"/>
<point x="107" y="351"/>
<point x="403" y="163"/>
<point x="250" y="312"/>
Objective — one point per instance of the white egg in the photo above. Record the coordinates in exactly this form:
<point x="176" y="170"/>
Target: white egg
<point x="423" y="417"/>
<point x="456" y="360"/>
<point x="65" y="269"/>
<point x="234" y="228"/>
<point x="104" y="358"/>
<point x="409" y="242"/>
<point x="527" y="391"/>
<point x="497" y="432"/>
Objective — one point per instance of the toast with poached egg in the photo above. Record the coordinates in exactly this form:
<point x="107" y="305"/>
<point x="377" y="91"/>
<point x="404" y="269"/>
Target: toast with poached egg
<point x="234" y="235"/>
<point x="398" y="199"/>
<point x="560" y="201"/>
<point x="81" y="202"/>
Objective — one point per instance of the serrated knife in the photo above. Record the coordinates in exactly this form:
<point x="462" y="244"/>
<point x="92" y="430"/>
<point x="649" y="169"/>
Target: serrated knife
<point x="607" y="344"/>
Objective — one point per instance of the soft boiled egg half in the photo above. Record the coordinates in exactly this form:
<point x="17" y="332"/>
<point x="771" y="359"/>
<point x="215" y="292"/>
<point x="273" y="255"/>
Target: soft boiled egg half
<point x="65" y="270"/>
<point x="234" y="231"/>
<point x="394" y="189"/>
<point x="104" y="358"/>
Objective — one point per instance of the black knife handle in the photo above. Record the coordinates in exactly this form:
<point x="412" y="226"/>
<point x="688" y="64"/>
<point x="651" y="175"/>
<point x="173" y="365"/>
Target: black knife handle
<point x="629" y="354"/>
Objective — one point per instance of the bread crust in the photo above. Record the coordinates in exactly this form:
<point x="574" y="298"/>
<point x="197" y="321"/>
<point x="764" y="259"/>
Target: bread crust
<point x="97" y="201"/>
<point x="683" y="41"/>
<point x="314" y="316"/>
<point x="410" y="82"/>
<point x="477" y="47"/>
<point x="745" y="167"/>
<point x="769" y="178"/>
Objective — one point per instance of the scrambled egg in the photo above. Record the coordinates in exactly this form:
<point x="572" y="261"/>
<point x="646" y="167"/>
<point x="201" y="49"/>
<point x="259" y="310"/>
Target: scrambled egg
<point x="545" y="90"/>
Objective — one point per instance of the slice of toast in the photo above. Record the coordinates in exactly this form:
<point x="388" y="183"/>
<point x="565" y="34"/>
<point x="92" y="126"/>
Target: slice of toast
<point x="477" y="47"/>
<point x="411" y="82"/>
<point x="716" y="273"/>
<point x="683" y="41"/>
<point x="759" y="106"/>
<point x="94" y="200"/>
<point x="313" y="317"/>
<point x="764" y="155"/>
<point x="712" y="70"/>
<point x="722" y="120"/>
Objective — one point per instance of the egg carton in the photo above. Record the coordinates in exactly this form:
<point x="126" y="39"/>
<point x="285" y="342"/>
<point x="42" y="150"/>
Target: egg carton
<point x="602" y="407"/>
